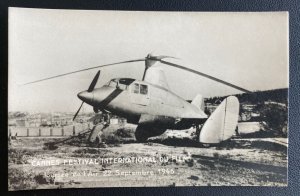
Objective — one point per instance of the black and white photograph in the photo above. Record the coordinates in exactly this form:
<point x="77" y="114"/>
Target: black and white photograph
<point x="147" y="98"/>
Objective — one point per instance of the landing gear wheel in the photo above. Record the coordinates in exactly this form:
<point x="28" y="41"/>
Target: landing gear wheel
<point x="140" y="136"/>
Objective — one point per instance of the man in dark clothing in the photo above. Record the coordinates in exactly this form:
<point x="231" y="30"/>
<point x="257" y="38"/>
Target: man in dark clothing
<point x="106" y="119"/>
<point x="97" y="131"/>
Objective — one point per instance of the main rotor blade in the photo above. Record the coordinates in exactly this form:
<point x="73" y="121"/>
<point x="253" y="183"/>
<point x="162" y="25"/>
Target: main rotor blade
<point x="94" y="82"/>
<point x="77" y="111"/>
<point x="205" y="75"/>
<point x="158" y="58"/>
<point x="69" y="73"/>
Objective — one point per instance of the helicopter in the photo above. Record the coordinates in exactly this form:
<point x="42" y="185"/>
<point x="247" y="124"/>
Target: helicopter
<point x="153" y="107"/>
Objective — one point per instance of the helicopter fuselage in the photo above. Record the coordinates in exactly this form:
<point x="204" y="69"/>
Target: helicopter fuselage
<point x="143" y="103"/>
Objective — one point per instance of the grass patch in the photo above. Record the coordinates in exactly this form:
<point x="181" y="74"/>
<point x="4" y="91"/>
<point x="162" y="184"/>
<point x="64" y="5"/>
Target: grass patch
<point x="19" y="180"/>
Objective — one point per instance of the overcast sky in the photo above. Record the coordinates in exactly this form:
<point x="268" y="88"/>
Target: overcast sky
<point x="247" y="49"/>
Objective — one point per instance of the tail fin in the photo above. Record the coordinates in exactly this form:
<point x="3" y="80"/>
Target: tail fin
<point x="198" y="101"/>
<point x="222" y="123"/>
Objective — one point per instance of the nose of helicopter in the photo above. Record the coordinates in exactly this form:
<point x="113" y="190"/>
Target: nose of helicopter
<point x="86" y="96"/>
<point x="103" y="95"/>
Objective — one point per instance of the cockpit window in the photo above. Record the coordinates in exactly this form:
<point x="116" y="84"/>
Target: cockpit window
<point x="144" y="89"/>
<point x="136" y="88"/>
<point x="122" y="86"/>
<point x="120" y="83"/>
<point x="139" y="89"/>
<point x="126" y="81"/>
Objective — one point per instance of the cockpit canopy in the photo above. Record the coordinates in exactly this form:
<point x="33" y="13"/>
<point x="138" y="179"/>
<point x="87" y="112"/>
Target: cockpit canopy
<point x="121" y="83"/>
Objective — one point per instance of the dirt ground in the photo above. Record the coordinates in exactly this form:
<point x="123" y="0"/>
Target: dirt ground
<point x="167" y="160"/>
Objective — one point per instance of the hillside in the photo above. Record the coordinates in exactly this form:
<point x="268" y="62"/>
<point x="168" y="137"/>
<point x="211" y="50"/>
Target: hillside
<point x="256" y="97"/>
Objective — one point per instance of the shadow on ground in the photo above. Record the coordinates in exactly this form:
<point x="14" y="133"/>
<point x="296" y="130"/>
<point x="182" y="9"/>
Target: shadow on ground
<point x="230" y="144"/>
